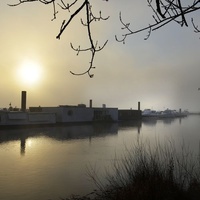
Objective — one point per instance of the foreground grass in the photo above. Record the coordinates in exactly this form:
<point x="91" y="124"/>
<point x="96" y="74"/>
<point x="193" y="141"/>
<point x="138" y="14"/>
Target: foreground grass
<point x="150" y="173"/>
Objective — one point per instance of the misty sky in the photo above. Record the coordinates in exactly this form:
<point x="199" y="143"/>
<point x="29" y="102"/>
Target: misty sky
<point x="161" y="72"/>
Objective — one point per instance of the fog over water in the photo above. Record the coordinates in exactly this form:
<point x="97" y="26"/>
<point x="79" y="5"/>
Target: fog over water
<point x="52" y="162"/>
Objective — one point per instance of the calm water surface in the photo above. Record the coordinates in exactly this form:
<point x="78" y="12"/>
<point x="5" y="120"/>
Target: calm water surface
<point x="52" y="162"/>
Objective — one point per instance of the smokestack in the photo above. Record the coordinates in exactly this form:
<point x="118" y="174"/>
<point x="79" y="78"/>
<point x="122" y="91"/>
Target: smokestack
<point x="90" y="103"/>
<point x="138" y="105"/>
<point x="23" y="101"/>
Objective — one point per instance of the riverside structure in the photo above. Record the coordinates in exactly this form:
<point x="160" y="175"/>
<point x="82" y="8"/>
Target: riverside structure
<point x="64" y="114"/>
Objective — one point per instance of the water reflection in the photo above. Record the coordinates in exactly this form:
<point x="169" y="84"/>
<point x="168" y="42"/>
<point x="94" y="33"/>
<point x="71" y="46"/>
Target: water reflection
<point x="154" y="121"/>
<point x="54" y="160"/>
<point x="149" y="121"/>
<point x="77" y="131"/>
<point x="66" y="132"/>
<point x="23" y="145"/>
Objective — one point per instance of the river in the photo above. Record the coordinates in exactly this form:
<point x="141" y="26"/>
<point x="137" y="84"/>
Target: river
<point x="53" y="162"/>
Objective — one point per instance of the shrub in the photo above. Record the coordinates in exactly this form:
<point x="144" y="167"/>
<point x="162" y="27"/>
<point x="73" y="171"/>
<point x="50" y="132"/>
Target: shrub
<point x="150" y="173"/>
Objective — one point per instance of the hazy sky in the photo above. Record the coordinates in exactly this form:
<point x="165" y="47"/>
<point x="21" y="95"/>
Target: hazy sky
<point x="161" y="72"/>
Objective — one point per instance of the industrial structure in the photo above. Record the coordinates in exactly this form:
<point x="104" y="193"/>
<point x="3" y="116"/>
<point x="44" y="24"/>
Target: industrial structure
<point x="64" y="114"/>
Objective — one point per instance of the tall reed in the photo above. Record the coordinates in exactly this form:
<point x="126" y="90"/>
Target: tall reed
<point x="145" y="172"/>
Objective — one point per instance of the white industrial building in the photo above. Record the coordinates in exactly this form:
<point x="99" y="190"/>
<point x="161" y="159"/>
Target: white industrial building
<point x="81" y="113"/>
<point x="64" y="114"/>
<point x="8" y="118"/>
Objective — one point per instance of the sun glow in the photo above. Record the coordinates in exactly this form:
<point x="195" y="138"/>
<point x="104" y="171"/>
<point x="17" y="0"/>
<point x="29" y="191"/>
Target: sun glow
<point x="30" y="72"/>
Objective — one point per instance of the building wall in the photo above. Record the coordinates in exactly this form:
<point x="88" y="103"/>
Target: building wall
<point x="82" y="114"/>
<point x="42" y="117"/>
<point x="105" y="114"/>
<point x="129" y="114"/>
<point x="71" y="114"/>
<point x="77" y="114"/>
<point x="56" y="110"/>
<point x="17" y="115"/>
<point x="61" y="114"/>
<point x="3" y="117"/>
<point x="25" y="118"/>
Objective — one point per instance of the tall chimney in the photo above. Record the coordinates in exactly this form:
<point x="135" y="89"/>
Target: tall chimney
<point x="23" y="101"/>
<point x="90" y="103"/>
<point x="138" y="105"/>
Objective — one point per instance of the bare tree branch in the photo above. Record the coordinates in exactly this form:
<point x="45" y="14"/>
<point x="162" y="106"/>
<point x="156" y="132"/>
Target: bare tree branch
<point x="90" y="18"/>
<point x="93" y="48"/>
<point x="68" y="6"/>
<point x="64" y="25"/>
<point x="165" y="11"/>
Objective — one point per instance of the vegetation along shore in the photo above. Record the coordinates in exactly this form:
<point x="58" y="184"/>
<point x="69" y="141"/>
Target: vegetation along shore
<point x="160" y="172"/>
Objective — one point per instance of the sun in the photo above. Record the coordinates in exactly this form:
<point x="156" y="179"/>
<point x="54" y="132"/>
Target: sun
<point x="30" y="72"/>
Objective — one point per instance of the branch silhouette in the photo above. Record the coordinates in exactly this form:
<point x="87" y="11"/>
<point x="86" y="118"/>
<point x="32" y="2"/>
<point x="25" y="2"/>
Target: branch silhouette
<point x="90" y="18"/>
<point x="164" y="12"/>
